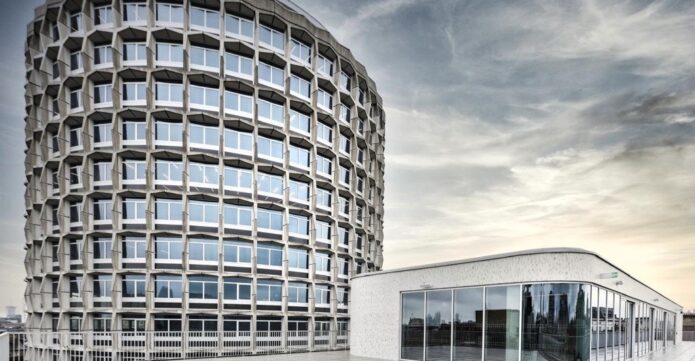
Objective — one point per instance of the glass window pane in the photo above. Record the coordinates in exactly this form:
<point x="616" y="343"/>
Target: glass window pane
<point x="468" y="324"/>
<point x="412" y="326"/>
<point x="438" y="325"/>
<point x="502" y="323"/>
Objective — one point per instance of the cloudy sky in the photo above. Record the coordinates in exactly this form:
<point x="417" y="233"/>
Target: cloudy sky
<point x="509" y="126"/>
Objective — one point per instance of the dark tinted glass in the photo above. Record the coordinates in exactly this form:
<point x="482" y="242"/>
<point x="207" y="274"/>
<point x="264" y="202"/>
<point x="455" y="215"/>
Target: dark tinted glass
<point x="412" y="326"/>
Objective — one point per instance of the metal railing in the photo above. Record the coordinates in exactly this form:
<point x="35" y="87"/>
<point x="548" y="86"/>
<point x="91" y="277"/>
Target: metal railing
<point x="154" y="345"/>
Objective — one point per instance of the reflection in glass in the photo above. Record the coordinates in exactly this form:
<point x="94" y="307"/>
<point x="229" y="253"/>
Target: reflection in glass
<point x="412" y="327"/>
<point x="556" y="322"/>
<point x="438" y="325"/>
<point x="502" y="323"/>
<point x="468" y="324"/>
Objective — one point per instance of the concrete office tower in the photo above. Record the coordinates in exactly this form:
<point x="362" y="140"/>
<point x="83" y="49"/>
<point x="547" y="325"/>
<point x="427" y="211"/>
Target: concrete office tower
<point x="202" y="165"/>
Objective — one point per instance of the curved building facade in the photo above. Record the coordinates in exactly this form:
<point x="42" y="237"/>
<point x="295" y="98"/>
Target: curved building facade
<point x="200" y="166"/>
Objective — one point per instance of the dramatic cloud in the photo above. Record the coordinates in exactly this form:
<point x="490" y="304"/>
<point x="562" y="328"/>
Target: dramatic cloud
<point x="537" y="124"/>
<point x="510" y="125"/>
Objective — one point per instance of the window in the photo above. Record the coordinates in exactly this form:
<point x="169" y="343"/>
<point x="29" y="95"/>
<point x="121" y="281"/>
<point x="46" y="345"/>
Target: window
<point x="166" y="324"/>
<point x="360" y="126"/>
<point x="237" y="327"/>
<point x="343" y="267"/>
<point x="75" y="287"/>
<point x="204" y="58"/>
<point x="237" y="178"/>
<point x="299" y="225"/>
<point x="134" y="171"/>
<point x="237" y="215"/>
<point x="344" y="207"/>
<point x="75" y="213"/>
<point x="297" y="292"/>
<point x="322" y="294"/>
<point x="55" y="71"/>
<point x="102" y="286"/>
<point x="238" y="142"/>
<point x="168" y="172"/>
<point x="76" y="100"/>
<point x="168" y="132"/>
<point x="323" y="198"/>
<point x="75" y="138"/>
<point x="237" y="289"/>
<point x="344" y="113"/>
<point x="203" y="212"/>
<point x="342" y="297"/>
<point x="102" y="134"/>
<point x="134" y="93"/>
<point x="324" y="166"/>
<point x="343" y="237"/>
<point x="358" y="243"/>
<point x="239" y="104"/>
<point x="268" y="255"/>
<point x="269" y="291"/>
<point x="102" y="95"/>
<point x="271" y="75"/>
<point x="204" y="137"/>
<point x="201" y="249"/>
<point x="168" y="53"/>
<point x="345" y="81"/>
<point x="300" y="87"/>
<point x="299" y="191"/>
<point x="358" y="214"/>
<point x="134" y="53"/>
<point x="271" y="112"/>
<point x="360" y="184"/>
<point x="102" y="249"/>
<point x="103" y="56"/>
<point x="344" y="175"/>
<point x="75" y="250"/>
<point x="344" y="144"/>
<point x="239" y="27"/>
<point x="502" y="304"/>
<point x="323" y="232"/>
<point x="170" y="13"/>
<point x="272" y="38"/>
<point x="168" y="210"/>
<point x="270" y="184"/>
<point x="167" y="249"/>
<point x="238" y="65"/>
<point x="168" y="287"/>
<point x="237" y="252"/>
<point x="75" y="22"/>
<point x="202" y="175"/>
<point x="102" y="211"/>
<point x="76" y="61"/>
<point x="75" y="177"/>
<point x="324" y="65"/>
<point x="55" y="33"/>
<point x="324" y="99"/>
<point x="360" y="156"/>
<point x="204" y="98"/>
<point x="299" y="157"/>
<point x="133" y="132"/>
<point x="134" y="286"/>
<point x="300" y="122"/>
<point x="202" y="287"/>
<point x="324" y="133"/>
<point x="270" y="148"/>
<point x="301" y="51"/>
<point x="134" y="12"/>
<point x="133" y="324"/>
<point x="134" y="248"/>
<point x="133" y="209"/>
<point x="169" y="94"/>
<point x="205" y="327"/>
<point x="269" y="220"/>
<point x="205" y="19"/>
<point x="298" y="259"/>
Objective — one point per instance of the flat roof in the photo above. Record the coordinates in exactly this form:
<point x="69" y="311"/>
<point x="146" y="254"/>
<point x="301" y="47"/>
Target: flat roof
<point x="528" y="252"/>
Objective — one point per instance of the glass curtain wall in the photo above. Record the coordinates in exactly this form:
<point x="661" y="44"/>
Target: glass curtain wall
<point x="556" y="322"/>
<point x="545" y="322"/>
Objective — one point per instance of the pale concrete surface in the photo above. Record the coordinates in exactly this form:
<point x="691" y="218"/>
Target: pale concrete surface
<point x="684" y="351"/>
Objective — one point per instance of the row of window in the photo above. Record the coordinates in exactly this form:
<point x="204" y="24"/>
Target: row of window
<point x="206" y="288"/>
<point x="207" y="20"/>
<point x="169" y="249"/>
<point x="173" y="323"/>
<point x="200" y="136"/>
